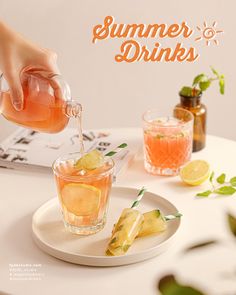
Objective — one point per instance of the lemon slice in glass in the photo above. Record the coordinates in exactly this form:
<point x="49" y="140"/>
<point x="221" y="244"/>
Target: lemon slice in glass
<point x="81" y="199"/>
<point x="90" y="161"/>
<point x="195" y="172"/>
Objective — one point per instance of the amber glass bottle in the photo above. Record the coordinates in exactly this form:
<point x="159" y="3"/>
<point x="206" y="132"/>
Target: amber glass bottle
<point x="199" y="111"/>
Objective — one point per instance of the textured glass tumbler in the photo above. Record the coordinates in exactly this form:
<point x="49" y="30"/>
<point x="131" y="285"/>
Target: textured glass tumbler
<point x="167" y="141"/>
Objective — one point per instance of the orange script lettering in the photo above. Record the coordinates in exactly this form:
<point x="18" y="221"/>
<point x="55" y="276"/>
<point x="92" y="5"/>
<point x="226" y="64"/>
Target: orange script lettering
<point x="113" y="30"/>
<point x="132" y="51"/>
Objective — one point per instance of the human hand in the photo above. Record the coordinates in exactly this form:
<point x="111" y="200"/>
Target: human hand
<point x="18" y="55"/>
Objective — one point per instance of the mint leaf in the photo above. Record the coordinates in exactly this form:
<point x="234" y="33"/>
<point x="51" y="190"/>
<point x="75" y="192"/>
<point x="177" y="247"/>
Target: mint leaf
<point x="199" y="78"/>
<point x="204" y="194"/>
<point x="168" y="285"/>
<point x="232" y="223"/>
<point x="202" y="82"/>
<point x="212" y="176"/>
<point x="225" y="190"/>
<point x="221" y="178"/>
<point x="233" y="181"/>
<point x="186" y="91"/>
<point x="222" y="85"/>
<point x="204" y="85"/>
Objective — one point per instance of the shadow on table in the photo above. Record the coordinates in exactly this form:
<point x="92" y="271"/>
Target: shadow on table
<point x="176" y="183"/>
<point x="140" y="173"/>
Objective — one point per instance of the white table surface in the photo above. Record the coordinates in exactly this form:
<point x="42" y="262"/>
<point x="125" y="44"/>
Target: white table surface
<point x="211" y="269"/>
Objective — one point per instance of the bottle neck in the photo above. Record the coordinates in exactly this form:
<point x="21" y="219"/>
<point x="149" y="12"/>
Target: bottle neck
<point x="190" y="102"/>
<point x="73" y="109"/>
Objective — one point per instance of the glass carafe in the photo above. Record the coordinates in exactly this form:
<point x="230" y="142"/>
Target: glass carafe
<point x="47" y="103"/>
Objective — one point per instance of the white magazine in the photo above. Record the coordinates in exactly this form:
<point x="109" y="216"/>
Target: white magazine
<point x="27" y="149"/>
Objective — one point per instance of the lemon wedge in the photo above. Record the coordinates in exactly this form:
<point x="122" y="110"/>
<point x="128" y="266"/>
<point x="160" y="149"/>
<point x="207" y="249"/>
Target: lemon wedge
<point x="195" y="172"/>
<point x="90" y="161"/>
<point x="81" y="199"/>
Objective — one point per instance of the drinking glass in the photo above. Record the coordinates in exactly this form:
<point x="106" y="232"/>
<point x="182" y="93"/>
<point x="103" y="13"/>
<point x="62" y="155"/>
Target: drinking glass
<point x="167" y="141"/>
<point x="83" y="195"/>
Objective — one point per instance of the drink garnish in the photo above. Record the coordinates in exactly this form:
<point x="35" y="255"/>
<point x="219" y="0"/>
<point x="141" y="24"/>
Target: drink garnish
<point x="90" y="161"/>
<point x="195" y="172"/>
<point x="96" y="159"/>
<point x="81" y="199"/>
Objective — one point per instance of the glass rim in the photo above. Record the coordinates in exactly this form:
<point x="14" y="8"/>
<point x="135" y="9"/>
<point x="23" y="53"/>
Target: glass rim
<point x="161" y="126"/>
<point x="80" y="177"/>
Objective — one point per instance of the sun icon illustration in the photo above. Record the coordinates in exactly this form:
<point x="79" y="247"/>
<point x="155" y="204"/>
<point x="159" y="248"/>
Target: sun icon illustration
<point x="209" y="33"/>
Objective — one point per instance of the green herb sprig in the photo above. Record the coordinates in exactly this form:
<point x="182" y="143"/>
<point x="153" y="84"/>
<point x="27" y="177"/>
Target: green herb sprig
<point x="202" y="82"/>
<point x="220" y="186"/>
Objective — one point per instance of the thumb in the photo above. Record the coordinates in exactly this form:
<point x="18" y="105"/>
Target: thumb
<point x="16" y="91"/>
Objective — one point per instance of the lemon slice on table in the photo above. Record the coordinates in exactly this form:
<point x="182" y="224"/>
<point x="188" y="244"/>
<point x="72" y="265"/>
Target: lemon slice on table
<point x="90" y="161"/>
<point x="195" y="172"/>
<point x="81" y="199"/>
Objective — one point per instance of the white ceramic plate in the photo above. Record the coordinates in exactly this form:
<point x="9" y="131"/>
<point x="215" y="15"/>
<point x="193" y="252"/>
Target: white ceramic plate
<point x="50" y="235"/>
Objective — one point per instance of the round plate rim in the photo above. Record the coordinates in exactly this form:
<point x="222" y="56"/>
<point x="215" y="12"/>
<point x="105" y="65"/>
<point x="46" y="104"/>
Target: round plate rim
<point x="42" y="244"/>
